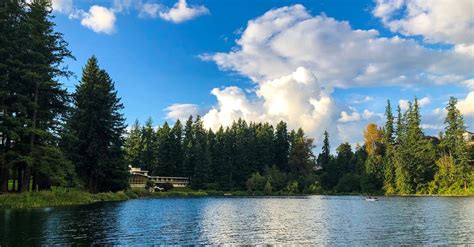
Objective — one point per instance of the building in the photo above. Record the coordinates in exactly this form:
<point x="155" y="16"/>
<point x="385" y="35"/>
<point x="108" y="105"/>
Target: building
<point x="139" y="179"/>
<point x="468" y="137"/>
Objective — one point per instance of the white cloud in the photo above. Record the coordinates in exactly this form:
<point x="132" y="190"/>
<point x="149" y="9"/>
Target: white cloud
<point x="438" y="21"/>
<point x="150" y="10"/>
<point x="345" y="118"/>
<point x="283" y="39"/>
<point x="298" y="99"/>
<point x="181" y="111"/>
<point x="403" y="103"/>
<point x="468" y="83"/>
<point x="466" y="106"/>
<point x="181" y="12"/>
<point x="424" y="101"/>
<point x="99" y="19"/>
<point x="63" y="6"/>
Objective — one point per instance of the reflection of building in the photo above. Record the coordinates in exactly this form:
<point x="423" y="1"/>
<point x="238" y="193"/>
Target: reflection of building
<point x="468" y="137"/>
<point x="139" y="178"/>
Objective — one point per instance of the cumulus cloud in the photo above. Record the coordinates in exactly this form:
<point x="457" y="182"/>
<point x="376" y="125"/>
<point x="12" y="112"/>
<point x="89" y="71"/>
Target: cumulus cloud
<point x="466" y="106"/>
<point x="298" y="99"/>
<point x="282" y="39"/>
<point x="345" y="117"/>
<point x="181" y="12"/>
<point x="99" y="19"/>
<point x="181" y="111"/>
<point x="438" y="21"/>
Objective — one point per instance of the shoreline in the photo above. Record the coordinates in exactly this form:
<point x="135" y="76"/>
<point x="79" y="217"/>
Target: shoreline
<point x="64" y="198"/>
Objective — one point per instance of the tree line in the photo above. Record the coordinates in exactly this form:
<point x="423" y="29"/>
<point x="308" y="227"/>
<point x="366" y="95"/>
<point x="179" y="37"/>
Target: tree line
<point x="224" y="159"/>
<point x="399" y="158"/>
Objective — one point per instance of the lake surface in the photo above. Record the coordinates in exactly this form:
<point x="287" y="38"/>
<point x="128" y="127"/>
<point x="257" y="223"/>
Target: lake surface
<point x="322" y="220"/>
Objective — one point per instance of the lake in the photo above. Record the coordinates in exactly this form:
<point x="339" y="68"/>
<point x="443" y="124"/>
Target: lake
<point x="321" y="220"/>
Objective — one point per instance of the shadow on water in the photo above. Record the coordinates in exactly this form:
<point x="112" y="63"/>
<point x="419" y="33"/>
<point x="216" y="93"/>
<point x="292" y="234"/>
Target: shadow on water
<point x="320" y="220"/>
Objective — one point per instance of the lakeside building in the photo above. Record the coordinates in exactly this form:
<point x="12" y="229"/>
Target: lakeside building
<point x="139" y="179"/>
<point x="468" y="137"/>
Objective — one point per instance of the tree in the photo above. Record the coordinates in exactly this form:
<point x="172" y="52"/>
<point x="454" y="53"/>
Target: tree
<point x="373" y="139"/>
<point x="324" y="156"/>
<point x="188" y="145"/>
<point x="201" y="156"/>
<point x="34" y="99"/>
<point x="453" y="143"/>
<point x="177" y="148"/>
<point x="148" y="154"/>
<point x="164" y="152"/>
<point x="301" y="160"/>
<point x="97" y="126"/>
<point x="282" y="146"/>
<point x="133" y="145"/>
<point x="389" y="159"/>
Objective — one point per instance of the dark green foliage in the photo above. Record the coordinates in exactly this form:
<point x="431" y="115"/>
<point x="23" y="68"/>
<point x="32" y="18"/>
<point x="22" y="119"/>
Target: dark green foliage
<point x="32" y="101"/>
<point x="96" y="126"/>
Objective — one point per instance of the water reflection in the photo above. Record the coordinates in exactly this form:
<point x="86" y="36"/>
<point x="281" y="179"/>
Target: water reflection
<point x="321" y="220"/>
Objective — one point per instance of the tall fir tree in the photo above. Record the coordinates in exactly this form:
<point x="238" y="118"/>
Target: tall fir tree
<point x="133" y="145"/>
<point x="97" y="125"/>
<point x="282" y="146"/>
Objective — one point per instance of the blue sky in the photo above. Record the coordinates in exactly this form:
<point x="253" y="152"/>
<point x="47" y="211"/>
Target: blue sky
<point x="325" y="64"/>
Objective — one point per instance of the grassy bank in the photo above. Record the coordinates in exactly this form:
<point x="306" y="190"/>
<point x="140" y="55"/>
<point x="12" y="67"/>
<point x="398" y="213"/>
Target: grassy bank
<point x="62" y="197"/>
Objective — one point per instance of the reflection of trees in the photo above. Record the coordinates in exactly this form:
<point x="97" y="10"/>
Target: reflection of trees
<point x="82" y="225"/>
<point x="21" y="227"/>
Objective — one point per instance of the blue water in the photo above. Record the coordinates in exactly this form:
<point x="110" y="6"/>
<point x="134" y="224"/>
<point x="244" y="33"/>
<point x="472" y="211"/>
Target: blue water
<point x="321" y="220"/>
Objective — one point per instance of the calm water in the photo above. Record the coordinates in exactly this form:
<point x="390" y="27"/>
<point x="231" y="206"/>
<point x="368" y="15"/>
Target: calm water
<point x="329" y="220"/>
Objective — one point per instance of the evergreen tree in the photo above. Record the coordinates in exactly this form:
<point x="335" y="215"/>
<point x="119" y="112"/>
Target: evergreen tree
<point x="177" y="148"/>
<point x="188" y="146"/>
<point x="164" y="153"/>
<point x="324" y="156"/>
<point x="97" y="126"/>
<point x="133" y="145"/>
<point x="42" y="99"/>
<point x="201" y="156"/>
<point x="388" y="159"/>
<point x="301" y="160"/>
<point x="282" y="146"/>
<point x="148" y="154"/>
<point x="453" y="144"/>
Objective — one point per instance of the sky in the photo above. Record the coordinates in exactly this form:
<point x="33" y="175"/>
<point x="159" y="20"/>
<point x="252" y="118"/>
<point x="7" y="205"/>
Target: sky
<point x="320" y="65"/>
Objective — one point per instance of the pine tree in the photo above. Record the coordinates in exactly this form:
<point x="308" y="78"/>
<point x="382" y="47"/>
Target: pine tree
<point x="301" y="159"/>
<point x="188" y="146"/>
<point x="201" y="157"/>
<point x="43" y="64"/>
<point x="453" y="144"/>
<point x="388" y="159"/>
<point x="13" y="92"/>
<point x="97" y="126"/>
<point x="132" y="145"/>
<point x="149" y="145"/>
<point x="177" y="148"/>
<point x="324" y="156"/>
<point x="282" y="146"/>
<point x="164" y="152"/>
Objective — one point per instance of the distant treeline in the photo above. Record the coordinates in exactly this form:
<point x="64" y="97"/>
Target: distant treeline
<point x="226" y="158"/>
<point x="399" y="159"/>
<point x="395" y="159"/>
